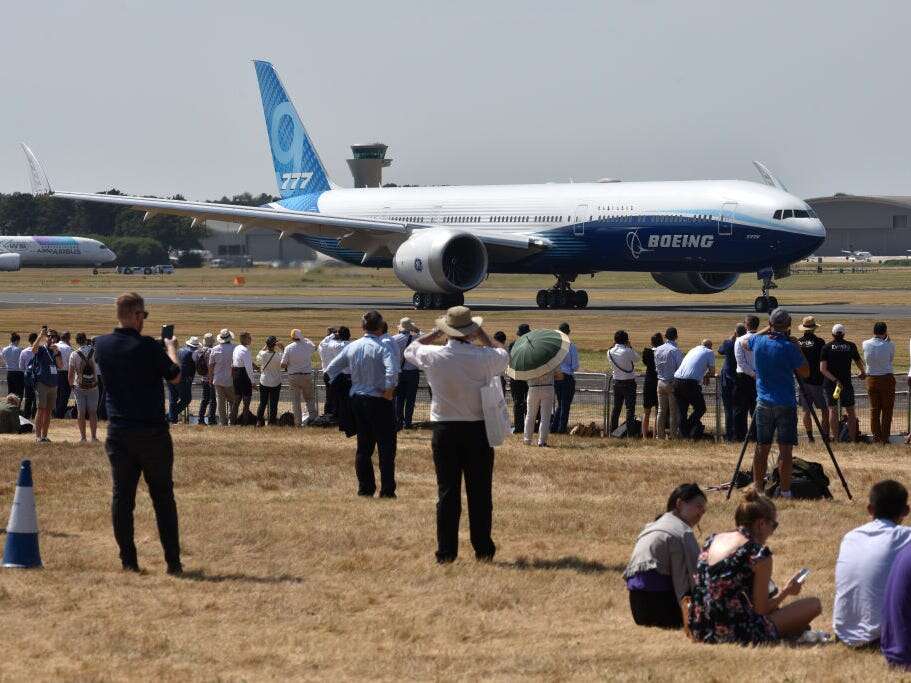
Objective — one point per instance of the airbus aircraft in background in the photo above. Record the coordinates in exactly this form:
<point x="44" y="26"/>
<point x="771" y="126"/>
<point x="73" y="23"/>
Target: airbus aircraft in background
<point x="59" y="251"/>
<point x="694" y="237"/>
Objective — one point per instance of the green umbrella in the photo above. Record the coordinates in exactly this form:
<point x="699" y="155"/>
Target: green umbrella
<point x="537" y="353"/>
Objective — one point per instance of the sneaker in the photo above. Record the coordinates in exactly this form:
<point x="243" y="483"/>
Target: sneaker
<point x="83" y="440"/>
<point x="44" y="439"/>
<point x="131" y="567"/>
<point x="527" y="442"/>
<point x="814" y="637"/>
<point x="387" y="495"/>
<point x="543" y="445"/>
<point x="174" y="570"/>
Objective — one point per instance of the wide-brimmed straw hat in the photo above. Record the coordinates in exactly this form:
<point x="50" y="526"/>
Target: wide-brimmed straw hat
<point x="193" y="342"/>
<point x="225" y="336"/>
<point x="458" y="322"/>
<point x="809" y="323"/>
<point x="407" y="325"/>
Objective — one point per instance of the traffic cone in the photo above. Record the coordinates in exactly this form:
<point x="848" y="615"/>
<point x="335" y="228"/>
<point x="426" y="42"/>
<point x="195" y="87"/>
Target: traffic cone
<point x="21" y="549"/>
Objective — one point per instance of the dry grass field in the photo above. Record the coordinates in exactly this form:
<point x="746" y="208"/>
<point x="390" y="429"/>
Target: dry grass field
<point x="292" y="577"/>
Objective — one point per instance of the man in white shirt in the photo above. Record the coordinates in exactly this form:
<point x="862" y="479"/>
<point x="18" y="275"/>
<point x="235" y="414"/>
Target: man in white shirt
<point x="863" y="564"/>
<point x="297" y="361"/>
<point x="456" y="372"/>
<point x="15" y="380"/>
<point x="745" y="384"/>
<point x="697" y="367"/>
<point x="63" y="381"/>
<point x="242" y="372"/>
<point x="28" y="405"/>
<point x="328" y="349"/>
<point x="879" y="352"/>
<point x="221" y="362"/>
<point x="623" y="361"/>
<point x="667" y="360"/>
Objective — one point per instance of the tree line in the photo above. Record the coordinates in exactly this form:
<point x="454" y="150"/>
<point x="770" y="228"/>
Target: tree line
<point x="122" y="229"/>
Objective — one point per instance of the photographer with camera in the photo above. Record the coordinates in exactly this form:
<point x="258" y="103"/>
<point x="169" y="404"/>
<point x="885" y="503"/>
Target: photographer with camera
<point x="44" y="366"/>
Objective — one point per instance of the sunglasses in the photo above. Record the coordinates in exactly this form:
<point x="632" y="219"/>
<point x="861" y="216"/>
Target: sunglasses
<point x="774" y="523"/>
<point x="145" y="314"/>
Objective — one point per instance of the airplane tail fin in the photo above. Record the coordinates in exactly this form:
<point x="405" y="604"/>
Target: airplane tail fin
<point x="298" y="169"/>
<point x="36" y="176"/>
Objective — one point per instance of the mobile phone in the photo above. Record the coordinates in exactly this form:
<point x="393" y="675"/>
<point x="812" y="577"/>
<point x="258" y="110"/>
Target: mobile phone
<point x="167" y="331"/>
<point x="802" y="575"/>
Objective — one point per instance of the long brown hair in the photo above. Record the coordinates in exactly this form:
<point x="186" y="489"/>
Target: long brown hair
<point x="753" y="507"/>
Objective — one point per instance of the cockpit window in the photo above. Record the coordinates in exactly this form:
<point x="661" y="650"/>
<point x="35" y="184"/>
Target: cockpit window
<point x="777" y="215"/>
<point x="102" y="246"/>
<point x="800" y="213"/>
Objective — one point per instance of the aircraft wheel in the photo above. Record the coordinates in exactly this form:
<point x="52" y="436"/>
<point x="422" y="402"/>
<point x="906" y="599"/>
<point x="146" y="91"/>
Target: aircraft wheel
<point x="417" y="300"/>
<point x="773" y="303"/>
<point x="438" y="301"/>
<point x="560" y="299"/>
<point x="541" y="298"/>
<point x="94" y="271"/>
<point x="581" y="299"/>
<point x="551" y="299"/>
<point x="761" y="304"/>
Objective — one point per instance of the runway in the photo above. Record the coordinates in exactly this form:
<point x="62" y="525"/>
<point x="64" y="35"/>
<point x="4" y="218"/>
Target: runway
<point x="829" y="310"/>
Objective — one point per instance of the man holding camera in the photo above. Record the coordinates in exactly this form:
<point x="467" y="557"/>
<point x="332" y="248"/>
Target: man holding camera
<point x="138" y="442"/>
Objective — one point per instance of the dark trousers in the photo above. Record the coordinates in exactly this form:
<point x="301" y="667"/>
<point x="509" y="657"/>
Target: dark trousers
<point x="268" y="396"/>
<point x="63" y="393"/>
<point x="207" y="405"/>
<point x="405" y="396"/>
<point x="29" y="404"/>
<point x="374" y="419"/>
<point x="461" y="448"/>
<point x="519" y="391"/>
<point x="727" y="400"/>
<point x="148" y="452"/>
<point x="15" y="382"/>
<point x="624" y="395"/>
<point x="656" y="608"/>
<point x="564" y="390"/>
<point x="744" y="406"/>
<point x="688" y="393"/>
<point x="243" y="391"/>
<point x="330" y="407"/>
<point x="180" y="395"/>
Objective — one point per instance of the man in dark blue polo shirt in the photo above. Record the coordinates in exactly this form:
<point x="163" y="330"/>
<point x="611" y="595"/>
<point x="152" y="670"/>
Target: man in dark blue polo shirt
<point x="138" y="442"/>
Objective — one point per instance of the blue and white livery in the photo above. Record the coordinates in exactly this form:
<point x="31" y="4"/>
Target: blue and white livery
<point x="693" y="237"/>
<point x="53" y="251"/>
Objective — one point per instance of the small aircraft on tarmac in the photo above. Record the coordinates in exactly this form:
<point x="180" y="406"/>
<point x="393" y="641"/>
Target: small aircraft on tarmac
<point x="857" y="256"/>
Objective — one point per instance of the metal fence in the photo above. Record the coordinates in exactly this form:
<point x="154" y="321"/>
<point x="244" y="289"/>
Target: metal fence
<point x="593" y="402"/>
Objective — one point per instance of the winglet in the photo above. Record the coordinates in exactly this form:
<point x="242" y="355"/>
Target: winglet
<point x="36" y="175"/>
<point x="767" y="176"/>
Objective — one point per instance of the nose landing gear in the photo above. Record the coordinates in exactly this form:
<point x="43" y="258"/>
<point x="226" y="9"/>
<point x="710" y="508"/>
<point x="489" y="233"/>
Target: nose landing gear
<point x="766" y="303"/>
<point x="561" y="295"/>
<point x="435" y="300"/>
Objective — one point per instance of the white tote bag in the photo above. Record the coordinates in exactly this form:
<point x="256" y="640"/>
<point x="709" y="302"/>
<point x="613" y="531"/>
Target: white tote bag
<point x="496" y="416"/>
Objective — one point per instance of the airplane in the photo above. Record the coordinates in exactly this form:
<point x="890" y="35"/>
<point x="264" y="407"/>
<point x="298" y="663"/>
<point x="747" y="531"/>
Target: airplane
<point x="694" y="237"/>
<point x="52" y="250"/>
<point x="857" y="256"/>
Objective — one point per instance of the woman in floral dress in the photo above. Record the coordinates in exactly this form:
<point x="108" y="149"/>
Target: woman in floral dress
<point x="731" y="601"/>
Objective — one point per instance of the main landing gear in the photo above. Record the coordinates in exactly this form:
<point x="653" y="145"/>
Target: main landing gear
<point x="766" y="303"/>
<point x="561" y="295"/>
<point x="429" y="300"/>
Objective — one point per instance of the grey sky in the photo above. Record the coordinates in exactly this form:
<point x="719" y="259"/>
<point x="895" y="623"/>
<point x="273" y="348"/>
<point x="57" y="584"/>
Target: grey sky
<point x="158" y="98"/>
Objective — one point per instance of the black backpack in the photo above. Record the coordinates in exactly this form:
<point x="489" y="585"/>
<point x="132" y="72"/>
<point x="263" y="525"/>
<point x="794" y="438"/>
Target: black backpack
<point x="286" y="419"/>
<point x="808" y="481"/>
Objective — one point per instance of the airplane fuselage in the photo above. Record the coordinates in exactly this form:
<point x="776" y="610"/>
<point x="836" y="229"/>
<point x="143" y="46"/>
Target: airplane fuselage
<point x="57" y="251"/>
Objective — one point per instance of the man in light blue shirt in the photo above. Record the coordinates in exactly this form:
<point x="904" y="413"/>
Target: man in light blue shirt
<point x="667" y="359"/>
<point x="565" y="388"/>
<point x="695" y="370"/>
<point x="864" y="560"/>
<point x="409" y="376"/>
<point x="374" y="375"/>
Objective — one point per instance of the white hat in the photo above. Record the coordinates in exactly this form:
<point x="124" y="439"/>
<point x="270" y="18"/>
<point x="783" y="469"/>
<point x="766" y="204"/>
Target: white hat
<point x="193" y="342"/>
<point x="838" y="328"/>
<point x="225" y="336"/>
<point x="208" y="339"/>
<point x="407" y="325"/>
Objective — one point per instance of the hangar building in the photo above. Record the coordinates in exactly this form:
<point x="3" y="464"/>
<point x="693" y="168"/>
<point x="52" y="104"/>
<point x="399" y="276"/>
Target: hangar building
<point x="880" y="225"/>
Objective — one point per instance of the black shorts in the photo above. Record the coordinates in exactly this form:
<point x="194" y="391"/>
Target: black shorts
<point x="847" y="394"/>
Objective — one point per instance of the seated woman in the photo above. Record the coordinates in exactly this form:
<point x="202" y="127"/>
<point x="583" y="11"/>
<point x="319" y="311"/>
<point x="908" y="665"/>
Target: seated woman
<point x="731" y="600"/>
<point x="660" y="572"/>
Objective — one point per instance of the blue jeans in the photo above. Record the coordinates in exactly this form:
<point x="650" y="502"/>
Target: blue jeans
<point x="565" y="390"/>
<point x="770" y="419"/>
<point x="405" y="397"/>
<point x="727" y="400"/>
<point x="180" y="396"/>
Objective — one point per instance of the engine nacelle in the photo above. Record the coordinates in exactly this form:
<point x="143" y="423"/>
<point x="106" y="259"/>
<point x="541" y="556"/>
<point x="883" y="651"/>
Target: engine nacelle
<point x="441" y="261"/>
<point x="696" y="283"/>
<point x="10" y="261"/>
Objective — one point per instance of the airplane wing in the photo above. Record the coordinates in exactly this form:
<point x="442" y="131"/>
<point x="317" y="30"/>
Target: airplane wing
<point x="374" y="237"/>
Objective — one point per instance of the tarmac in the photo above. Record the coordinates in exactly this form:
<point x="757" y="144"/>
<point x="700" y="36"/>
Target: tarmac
<point x="830" y="310"/>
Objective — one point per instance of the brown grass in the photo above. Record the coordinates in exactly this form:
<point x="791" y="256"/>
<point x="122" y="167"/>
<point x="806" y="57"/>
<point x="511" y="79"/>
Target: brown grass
<point x="294" y="577"/>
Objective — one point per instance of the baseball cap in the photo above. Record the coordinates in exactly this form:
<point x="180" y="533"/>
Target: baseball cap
<point x="838" y="328"/>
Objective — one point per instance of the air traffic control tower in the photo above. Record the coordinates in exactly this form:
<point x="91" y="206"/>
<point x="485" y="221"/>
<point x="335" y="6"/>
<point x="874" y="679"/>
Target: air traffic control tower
<point x="368" y="164"/>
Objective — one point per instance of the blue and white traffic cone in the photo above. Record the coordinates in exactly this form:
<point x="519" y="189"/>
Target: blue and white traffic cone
<point x="21" y="549"/>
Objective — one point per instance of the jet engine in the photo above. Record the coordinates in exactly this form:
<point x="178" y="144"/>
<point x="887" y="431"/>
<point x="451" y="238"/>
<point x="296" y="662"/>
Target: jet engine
<point x="696" y="283"/>
<point x="10" y="261"/>
<point x="441" y="261"/>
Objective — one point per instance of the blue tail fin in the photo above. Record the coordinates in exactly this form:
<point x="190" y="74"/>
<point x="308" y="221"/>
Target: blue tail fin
<point x="298" y="169"/>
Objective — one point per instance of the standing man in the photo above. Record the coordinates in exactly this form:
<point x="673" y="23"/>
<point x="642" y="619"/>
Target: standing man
<point x="728" y="378"/>
<point x="83" y="377"/>
<point x="64" y="388"/>
<point x="242" y="372"/>
<point x="373" y="380"/>
<point x="456" y="372"/>
<point x="565" y="388"/>
<point x="15" y="379"/>
<point x="181" y="394"/>
<point x="745" y="384"/>
<point x="811" y="345"/>
<point x="879" y="352"/>
<point x="138" y="441"/>
<point x="697" y="367"/>
<point x="296" y="360"/>
<point x="221" y="361"/>
<point x="667" y="359"/>
<point x="28" y="405"/>
<point x="518" y="389"/>
<point x="623" y="360"/>
<point x="48" y="365"/>
<point x="835" y="366"/>
<point x="775" y="357"/>
<point x="409" y="376"/>
<point x="201" y="360"/>
<point x="329" y="348"/>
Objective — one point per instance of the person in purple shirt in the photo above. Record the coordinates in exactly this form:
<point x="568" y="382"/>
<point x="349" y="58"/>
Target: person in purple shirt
<point x="895" y="638"/>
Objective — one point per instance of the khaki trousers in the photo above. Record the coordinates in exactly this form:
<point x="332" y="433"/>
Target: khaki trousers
<point x="301" y="387"/>
<point x="881" y="390"/>
<point x="668" y="420"/>
<point x="539" y="398"/>
<point x="227" y="402"/>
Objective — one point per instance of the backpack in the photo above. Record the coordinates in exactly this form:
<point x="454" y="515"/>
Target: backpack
<point x="87" y="378"/>
<point x="808" y="481"/>
<point x="286" y="419"/>
<point x="201" y="358"/>
<point x="40" y="371"/>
